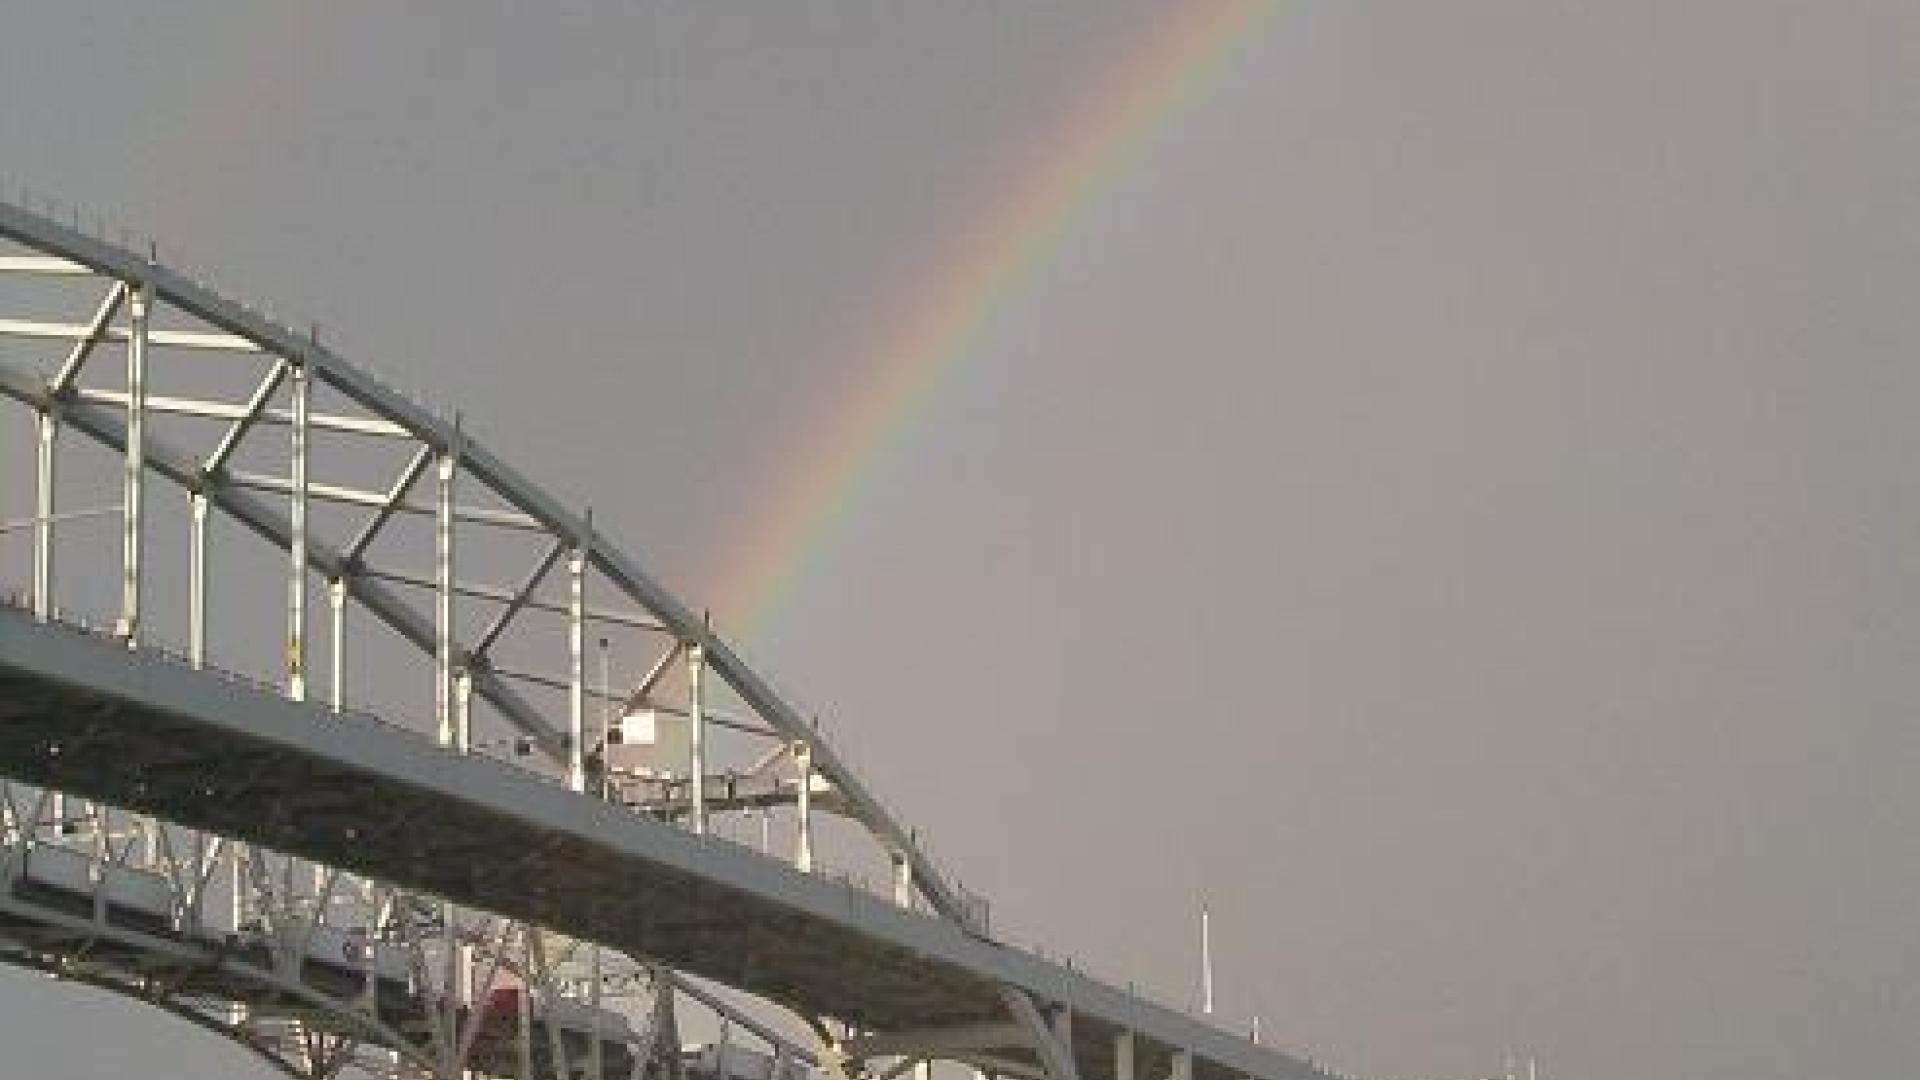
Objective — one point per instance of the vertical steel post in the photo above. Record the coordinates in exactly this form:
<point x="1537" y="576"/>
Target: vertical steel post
<point x="337" y="635"/>
<point x="1183" y="1065"/>
<point x="803" y="840"/>
<point x="236" y="913"/>
<point x="902" y="879"/>
<point x="197" y="578"/>
<point x="134" y="479"/>
<point x="463" y="711"/>
<point x="443" y="597"/>
<point x="46" y="440"/>
<point x="1123" y="1056"/>
<point x="523" y="1038"/>
<point x="606" y="722"/>
<point x="47" y="434"/>
<point x="297" y="538"/>
<point x="1206" y="962"/>
<point x="577" y="669"/>
<point x="596" y="1051"/>
<point x="697" y="734"/>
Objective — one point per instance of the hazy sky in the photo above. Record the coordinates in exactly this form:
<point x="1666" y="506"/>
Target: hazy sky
<point x="1451" y="499"/>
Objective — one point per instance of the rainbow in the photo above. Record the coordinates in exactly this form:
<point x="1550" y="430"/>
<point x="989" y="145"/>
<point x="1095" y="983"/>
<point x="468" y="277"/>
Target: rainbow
<point x="941" y="322"/>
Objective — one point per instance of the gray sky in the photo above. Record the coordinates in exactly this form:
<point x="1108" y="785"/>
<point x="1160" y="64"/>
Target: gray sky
<point x="1449" y="501"/>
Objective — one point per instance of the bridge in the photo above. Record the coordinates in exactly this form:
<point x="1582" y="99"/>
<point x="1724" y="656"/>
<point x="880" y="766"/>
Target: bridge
<point x="491" y="800"/>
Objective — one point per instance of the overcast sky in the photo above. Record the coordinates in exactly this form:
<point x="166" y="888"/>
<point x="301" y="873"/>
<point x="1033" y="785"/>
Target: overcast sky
<point x="1453" y="500"/>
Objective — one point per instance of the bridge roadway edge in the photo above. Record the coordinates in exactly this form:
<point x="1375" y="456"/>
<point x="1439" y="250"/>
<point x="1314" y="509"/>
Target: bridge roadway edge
<point x="44" y="669"/>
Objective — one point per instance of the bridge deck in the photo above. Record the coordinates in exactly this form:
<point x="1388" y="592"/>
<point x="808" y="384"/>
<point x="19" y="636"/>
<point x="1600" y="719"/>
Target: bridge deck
<point x="139" y="730"/>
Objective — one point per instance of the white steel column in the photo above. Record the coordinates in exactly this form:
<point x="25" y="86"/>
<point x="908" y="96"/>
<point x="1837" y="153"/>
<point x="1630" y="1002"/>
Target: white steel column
<point x="1123" y="1056"/>
<point x="337" y="641"/>
<point x="902" y="879"/>
<point x="134" y="480"/>
<point x="443" y="598"/>
<point x="1206" y="962"/>
<point x="197" y="578"/>
<point x="577" y="669"/>
<point x="297" y="539"/>
<point x="1183" y="1065"/>
<point x="46" y="438"/>
<point x="803" y="841"/>
<point x="463" y="711"/>
<point x="697" y="734"/>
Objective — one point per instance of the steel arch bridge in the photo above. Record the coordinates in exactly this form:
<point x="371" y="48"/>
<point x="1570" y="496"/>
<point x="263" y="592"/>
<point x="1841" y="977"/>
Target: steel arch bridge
<point x="519" y="867"/>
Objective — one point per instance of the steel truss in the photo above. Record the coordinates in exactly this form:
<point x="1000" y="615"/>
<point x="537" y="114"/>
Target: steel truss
<point x="499" y="591"/>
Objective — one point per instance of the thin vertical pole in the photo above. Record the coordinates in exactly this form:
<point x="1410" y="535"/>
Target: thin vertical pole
<point x="902" y="879"/>
<point x="523" y="998"/>
<point x="803" y="842"/>
<point x="134" y="479"/>
<point x="597" y="1052"/>
<point x="1123" y="1056"/>
<point x="337" y="635"/>
<point x="443" y="598"/>
<point x="1206" y="962"/>
<point x="463" y="711"/>
<point x="525" y="1002"/>
<point x="1183" y="1065"/>
<point x="197" y="578"/>
<point x="606" y="722"/>
<point x="697" y="732"/>
<point x="236" y="913"/>
<point x="577" y="669"/>
<point x="297" y="540"/>
<point x="46" y="440"/>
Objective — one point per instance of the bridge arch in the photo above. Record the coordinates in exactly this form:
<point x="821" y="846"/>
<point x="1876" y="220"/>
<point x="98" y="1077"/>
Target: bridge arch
<point x="1042" y="1020"/>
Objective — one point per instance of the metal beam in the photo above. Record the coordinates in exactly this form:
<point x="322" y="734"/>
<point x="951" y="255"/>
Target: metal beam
<point x="249" y="413"/>
<point x="176" y="339"/>
<point x="483" y="591"/>
<point x="41" y="264"/>
<point x="940" y="1041"/>
<point x="346" y="496"/>
<point x="519" y="601"/>
<point x="415" y="468"/>
<point x="179" y="467"/>
<point x="96" y="327"/>
<point x="46" y="442"/>
<point x="134" y="476"/>
<point x="297" y="541"/>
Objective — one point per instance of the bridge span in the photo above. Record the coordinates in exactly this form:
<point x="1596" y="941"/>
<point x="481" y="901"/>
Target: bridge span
<point x="482" y="889"/>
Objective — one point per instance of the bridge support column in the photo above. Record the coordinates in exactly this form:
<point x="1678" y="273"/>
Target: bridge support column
<point x="463" y="711"/>
<point x="197" y="578"/>
<point x="697" y="734"/>
<point x="803" y="841"/>
<point x="902" y="879"/>
<point x="46" y="441"/>
<point x="445" y="468"/>
<point x="134" y="478"/>
<point x="577" y="669"/>
<point x="337" y="635"/>
<point x="302" y="394"/>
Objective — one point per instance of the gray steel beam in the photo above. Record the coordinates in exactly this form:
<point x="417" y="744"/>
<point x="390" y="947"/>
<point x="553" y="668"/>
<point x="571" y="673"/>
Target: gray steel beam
<point x="180" y="468"/>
